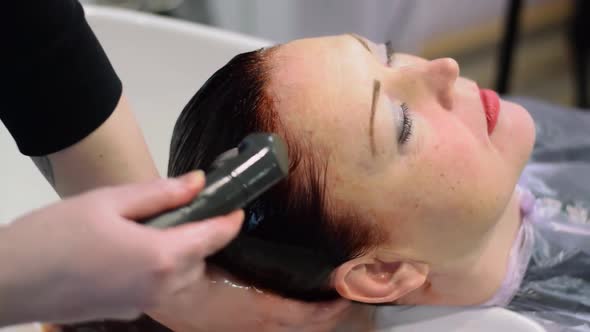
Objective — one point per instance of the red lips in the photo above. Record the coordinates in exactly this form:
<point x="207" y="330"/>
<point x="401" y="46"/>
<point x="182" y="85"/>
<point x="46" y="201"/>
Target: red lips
<point x="491" y="106"/>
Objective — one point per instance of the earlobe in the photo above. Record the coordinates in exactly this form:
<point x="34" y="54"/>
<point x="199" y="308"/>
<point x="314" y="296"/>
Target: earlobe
<point x="370" y="280"/>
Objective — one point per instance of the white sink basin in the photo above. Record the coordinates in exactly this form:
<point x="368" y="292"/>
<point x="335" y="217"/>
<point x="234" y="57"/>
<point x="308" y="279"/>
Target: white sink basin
<point x="162" y="62"/>
<point x="445" y="319"/>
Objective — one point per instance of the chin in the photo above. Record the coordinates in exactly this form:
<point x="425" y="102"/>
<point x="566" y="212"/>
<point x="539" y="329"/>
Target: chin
<point x="515" y="132"/>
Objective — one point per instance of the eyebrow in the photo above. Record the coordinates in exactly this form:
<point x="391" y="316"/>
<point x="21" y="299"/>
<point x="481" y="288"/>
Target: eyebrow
<point x="376" y="93"/>
<point x="361" y="40"/>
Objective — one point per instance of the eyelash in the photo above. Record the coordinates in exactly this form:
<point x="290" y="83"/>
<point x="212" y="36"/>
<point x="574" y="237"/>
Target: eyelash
<point x="406" y="130"/>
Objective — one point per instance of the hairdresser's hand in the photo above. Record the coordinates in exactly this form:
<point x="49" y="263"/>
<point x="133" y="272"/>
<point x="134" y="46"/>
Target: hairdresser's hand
<point x="234" y="307"/>
<point x="85" y="258"/>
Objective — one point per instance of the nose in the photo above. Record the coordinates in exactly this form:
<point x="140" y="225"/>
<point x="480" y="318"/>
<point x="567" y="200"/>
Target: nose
<point x="440" y="77"/>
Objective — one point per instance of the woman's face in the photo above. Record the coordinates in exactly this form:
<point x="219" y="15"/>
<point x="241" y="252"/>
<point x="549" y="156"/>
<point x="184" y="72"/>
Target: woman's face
<point x="410" y="144"/>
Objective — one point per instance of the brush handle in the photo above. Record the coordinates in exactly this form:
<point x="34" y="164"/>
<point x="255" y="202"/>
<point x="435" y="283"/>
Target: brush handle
<point x="222" y="195"/>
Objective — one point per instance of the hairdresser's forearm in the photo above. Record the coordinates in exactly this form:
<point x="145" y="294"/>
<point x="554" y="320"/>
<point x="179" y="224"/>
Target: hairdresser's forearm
<point x="115" y="153"/>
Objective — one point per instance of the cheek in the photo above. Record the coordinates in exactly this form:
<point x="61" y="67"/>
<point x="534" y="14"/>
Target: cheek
<point x="458" y="185"/>
<point x="447" y="167"/>
<point x="447" y="151"/>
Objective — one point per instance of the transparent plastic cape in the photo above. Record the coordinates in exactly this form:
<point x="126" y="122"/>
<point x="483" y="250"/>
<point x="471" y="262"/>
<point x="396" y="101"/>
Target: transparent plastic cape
<point x="555" y="286"/>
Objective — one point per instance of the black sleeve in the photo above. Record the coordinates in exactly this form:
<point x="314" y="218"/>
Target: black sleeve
<point x="58" y="84"/>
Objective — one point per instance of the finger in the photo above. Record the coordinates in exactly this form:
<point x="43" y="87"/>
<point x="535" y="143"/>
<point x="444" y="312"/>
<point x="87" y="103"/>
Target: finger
<point x="147" y="199"/>
<point x="206" y="237"/>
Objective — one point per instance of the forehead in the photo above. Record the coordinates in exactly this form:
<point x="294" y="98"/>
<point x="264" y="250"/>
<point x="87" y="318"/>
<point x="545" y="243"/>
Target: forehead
<point x="305" y="62"/>
<point x="323" y="90"/>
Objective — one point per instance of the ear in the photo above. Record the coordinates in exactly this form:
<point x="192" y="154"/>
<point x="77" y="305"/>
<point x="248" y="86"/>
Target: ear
<point x="369" y="280"/>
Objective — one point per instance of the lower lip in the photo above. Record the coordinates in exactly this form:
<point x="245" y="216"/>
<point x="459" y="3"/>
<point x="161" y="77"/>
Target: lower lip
<point x="491" y="106"/>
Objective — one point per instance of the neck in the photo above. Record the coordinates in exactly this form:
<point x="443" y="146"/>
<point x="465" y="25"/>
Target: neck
<point x="476" y="278"/>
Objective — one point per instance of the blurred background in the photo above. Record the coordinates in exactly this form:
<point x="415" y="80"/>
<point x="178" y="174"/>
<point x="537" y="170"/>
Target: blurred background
<point x="536" y="48"/>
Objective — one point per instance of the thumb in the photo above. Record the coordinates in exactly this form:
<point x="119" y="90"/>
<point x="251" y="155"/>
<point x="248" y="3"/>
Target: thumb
<point x="147" y="199"/>
<point x="208" y="236"/>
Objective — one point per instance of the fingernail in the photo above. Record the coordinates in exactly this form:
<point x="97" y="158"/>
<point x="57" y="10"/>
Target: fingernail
<point x="194" y="178"/>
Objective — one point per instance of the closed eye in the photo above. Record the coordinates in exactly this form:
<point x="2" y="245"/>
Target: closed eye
<point x="405" y="130"/>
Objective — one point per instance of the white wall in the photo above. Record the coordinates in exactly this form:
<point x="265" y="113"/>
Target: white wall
<point x="407" y="23"/>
